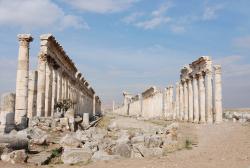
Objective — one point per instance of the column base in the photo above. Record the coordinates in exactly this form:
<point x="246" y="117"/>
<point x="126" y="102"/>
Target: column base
<point x="23" y="124"/>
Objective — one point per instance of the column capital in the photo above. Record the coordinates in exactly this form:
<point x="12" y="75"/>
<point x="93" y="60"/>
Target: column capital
<point x="42" y="57"/>
<point x="24" y="39"/>
<point x="208" y="72"/>
<point x="217" y="69"/>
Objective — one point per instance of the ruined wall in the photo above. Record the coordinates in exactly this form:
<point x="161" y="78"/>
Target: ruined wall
<point x="135" y="106"/>
<point x="152" y="106"/>
<point x="149" y="104"/>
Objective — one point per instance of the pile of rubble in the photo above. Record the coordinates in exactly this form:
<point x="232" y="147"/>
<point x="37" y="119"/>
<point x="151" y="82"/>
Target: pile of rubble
<point x="50" y="141"/>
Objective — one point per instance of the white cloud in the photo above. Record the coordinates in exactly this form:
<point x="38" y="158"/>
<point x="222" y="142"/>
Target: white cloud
<point x="132" y="17"/>
<point x="162" y="9"/>
<point x="155" y="19"/>
<point x="101" y="6"/>
<point x="30" y="14"/>
<point x="153" y="23"/>
<point x="73" y="21"/>
<point x="210" y="12"/>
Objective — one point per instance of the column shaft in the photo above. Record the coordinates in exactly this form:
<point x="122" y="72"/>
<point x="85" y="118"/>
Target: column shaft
<point x="177" y="101"/>
<point x="48" y="90"/>
<point x="32" y="95"/>
<point x="202" y="99"/>
<point x="22" y="80"/>
<point x="190" y="102"/>
<point x="54" y="91"/>
<point x="217" y="94"/>
<point x="59" y="86"/>
<point x="94" y="105"/>
<point x="185" y="101"/>
<point x="41" y="85"/>
<point x="196" y="100"/>
<point x="181" y="102"/>
<point x="209" y="99"/>
<point x="171" y="109"/>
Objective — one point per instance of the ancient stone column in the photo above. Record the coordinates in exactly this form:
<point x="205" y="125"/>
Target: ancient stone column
<point x="54" y="90"/>
<point x="32" y="94"/>
<point x="202" y="98"/>
<point x="171" y="102"/>
<point x="22" y="81"/>
<point x="41" y="85"/>
<point x="185" y="101"/>
<point x="63" y="86"/>
<point x="113" y="106"/>
<point x="86" y="119"/>
<point x="59" y="85"/>
<point x="94" y="105"/>
<point x="181" y="102"/>
<point x="66" y="88"/>
<point x="7" y="113"/>
<point x="48" y="90"/>
<point x="217" y="94"/>
<point x="177" y="101"/>
<point x="69" y="90"/>
<point x="166" y="103"/>
<point x="190" y="102"/>
<point x="196" y="100"/>
<point x="209" y="100"/>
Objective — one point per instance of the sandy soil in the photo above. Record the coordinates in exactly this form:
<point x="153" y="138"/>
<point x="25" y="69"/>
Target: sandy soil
<point x="220" y="146"/>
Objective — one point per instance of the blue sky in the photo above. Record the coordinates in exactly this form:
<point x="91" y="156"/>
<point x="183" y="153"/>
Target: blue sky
<point x="129" y="45"/>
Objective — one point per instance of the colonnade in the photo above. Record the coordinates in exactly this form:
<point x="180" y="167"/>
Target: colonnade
<point x="198" y="96"/>
<point x="56" y="79"/>
<point x="194" y="93"/>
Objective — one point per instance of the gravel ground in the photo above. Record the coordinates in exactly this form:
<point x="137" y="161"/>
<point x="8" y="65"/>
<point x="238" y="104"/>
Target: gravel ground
<point x="226" y="145"/>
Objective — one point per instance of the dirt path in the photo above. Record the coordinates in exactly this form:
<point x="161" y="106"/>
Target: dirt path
<point x="220" y="146"/>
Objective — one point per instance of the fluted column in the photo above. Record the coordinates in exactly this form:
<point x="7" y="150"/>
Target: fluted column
<point x="202" y="99"/>
<point x="167" y="115"/>
<point x="59" y="86"/>
<point x="54" y="90"/>
<point x="181" y="102"/>
<point x="41" y="85"/>
<point x="66" y="88"/>
<point x="94" y="105"/>
<point x="196" y="100"/>
<point x="166" y="102"/>
<point x="48" y="90"/>
<point x="185" y="101"/>
<point x="217" y="94"/>
<point x="32" y="95"/>
<point x="209" y="99"/>
<point x="177" y="101"/>
<point x="113" y="106"/>
<point x="190" y="102"/>
<point x="22" y="80"/>
<point x="171" y="94"/>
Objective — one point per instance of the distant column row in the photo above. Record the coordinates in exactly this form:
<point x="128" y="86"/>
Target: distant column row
<point x="195" y="97"/>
